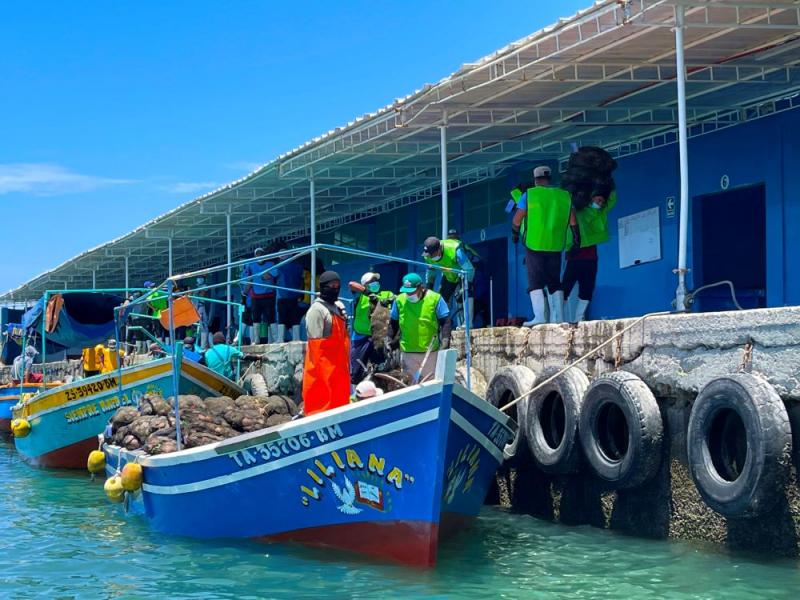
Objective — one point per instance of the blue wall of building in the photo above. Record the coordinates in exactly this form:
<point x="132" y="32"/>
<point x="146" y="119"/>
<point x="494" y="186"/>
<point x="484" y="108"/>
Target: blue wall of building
<point x="765" y="152"/>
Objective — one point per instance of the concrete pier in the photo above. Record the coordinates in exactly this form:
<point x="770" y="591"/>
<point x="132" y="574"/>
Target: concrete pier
<point x="676" y="356"/>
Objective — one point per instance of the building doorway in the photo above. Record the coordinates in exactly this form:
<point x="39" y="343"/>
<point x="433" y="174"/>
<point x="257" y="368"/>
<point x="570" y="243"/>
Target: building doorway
<point x="491" y="281"/>
<point x="730" y="243"/>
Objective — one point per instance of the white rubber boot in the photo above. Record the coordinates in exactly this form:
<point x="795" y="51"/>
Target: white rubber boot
<point x="470" y="315"/>
<point x="556" y="301"/>
<point x="537" y="303"/>
<point x="204" y="340"/>
<point x="255" y="339"/>
<point x="580" y="310"/>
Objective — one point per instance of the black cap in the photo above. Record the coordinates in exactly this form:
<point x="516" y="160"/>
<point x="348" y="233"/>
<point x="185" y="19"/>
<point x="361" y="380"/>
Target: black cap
<point x="431" y="246"/>
<point x="329" y="276"/>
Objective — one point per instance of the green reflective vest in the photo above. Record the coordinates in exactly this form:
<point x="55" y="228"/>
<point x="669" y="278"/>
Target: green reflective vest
<point x="516" y="195"/>
<point x="418" y="322"/>
<point x="448" y="260"/>
<point x="547" y="220"/>
<point x="158" y="301"/>
<point x="593" y="223"/>
<point x="361" y="321"/>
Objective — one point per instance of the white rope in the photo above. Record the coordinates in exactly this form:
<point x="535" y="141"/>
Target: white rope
<point x="539" y="386"/>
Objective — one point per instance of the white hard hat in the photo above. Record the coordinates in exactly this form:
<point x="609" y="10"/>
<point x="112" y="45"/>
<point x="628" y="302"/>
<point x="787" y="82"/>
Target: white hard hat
<point x="368" y="389"/>
<point x="543" y="171"/>
<point x="369" y="276"/>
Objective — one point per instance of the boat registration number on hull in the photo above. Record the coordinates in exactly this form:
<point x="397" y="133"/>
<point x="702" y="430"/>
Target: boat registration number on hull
<point x="275" y="446"/>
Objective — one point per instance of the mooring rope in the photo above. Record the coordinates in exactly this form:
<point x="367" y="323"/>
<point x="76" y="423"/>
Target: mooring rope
<point x="621" y="332"/>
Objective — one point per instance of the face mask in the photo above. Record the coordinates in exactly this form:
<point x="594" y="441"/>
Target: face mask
<point x="596" y="206"/>
<point x="374" y="287"/>
<point x="413" y="298"/>
<point x="329" y="293"/>
<point x="436" y="258"/>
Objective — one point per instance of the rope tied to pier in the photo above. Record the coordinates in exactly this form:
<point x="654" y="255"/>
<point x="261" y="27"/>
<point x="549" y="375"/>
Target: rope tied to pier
<point x="591" y="352"/>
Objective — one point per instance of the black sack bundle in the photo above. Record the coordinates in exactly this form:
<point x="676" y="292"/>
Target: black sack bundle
<point x="589" y="174"/>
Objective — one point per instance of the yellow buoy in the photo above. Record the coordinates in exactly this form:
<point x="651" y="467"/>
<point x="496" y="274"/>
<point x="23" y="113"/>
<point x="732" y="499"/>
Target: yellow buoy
<point x="20" y="427"/>
<point x="96" y="463"/>
<point x="132" y="477"/>
<point x="113" y="488"/>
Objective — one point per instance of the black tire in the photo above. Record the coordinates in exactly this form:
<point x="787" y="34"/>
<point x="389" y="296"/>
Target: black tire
<point x="621" y="430"/>
<point x="256" y="385"/>
<point x="507" y="384"/>
<point x="592" y="158"/>
<point x="551" y="421"/>
<point x="739" y="445"/>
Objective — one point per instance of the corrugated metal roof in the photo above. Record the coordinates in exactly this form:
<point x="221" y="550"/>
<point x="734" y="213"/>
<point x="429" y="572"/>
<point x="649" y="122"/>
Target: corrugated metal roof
<point x="604" y="76"/>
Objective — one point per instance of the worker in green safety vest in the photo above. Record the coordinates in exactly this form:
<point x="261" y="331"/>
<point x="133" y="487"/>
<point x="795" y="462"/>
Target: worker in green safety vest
<point x="420" y="325"/>
<point x="449" y="253"/>
<point x="157" y="301"/>
<point x="369" y="300"/>
<point x="588" y="228"/>
<point x="545" y="210"/>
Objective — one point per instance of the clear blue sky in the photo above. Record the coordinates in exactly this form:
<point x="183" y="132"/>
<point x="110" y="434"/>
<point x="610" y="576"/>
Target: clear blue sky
<point x="112" y="113"/>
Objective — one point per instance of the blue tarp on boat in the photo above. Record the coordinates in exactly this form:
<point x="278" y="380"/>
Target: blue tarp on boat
<point x="77" y="320"/>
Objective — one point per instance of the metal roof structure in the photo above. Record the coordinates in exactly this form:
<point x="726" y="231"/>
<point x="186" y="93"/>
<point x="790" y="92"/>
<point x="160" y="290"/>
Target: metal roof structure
<point x="605" y="76"/>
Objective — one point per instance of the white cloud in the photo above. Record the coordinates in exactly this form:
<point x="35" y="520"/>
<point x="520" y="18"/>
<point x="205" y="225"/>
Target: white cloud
<point x="191" y="187"/>
<point x="43" y="179"/>
<point x="245" y="166"/>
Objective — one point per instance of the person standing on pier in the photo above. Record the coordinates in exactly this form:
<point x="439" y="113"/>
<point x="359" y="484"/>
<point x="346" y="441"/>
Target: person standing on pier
<point x="451" y="254"/>
<point x="588" y="228"/>
<point x="326" y="371"/>
<point x="258" y="278"/>
<point x="545" y="212"/>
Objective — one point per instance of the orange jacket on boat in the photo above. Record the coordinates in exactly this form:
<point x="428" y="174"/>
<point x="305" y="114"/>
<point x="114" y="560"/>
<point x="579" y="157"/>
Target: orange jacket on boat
<point x="326" y="372"/>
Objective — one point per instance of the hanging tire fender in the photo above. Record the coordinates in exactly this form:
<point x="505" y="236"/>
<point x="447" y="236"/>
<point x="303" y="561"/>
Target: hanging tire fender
<point x="621" y="430"/>
<point x="739" y="445"/>
<point x="505" y="385"/>
<point x="256" y="385"/>
<point x="551" y="421"/>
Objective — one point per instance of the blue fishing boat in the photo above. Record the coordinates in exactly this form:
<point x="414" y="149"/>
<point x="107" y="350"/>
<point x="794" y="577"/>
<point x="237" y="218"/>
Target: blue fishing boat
<point x="9" y="396"/>
<point x="65" y="420"/>
<point x="388" y="477"/>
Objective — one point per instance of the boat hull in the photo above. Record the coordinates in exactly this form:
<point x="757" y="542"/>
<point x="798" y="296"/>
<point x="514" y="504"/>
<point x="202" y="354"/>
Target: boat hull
<point x="383" y="477"/>
<point x="66" y="420"/>
<point x="9" y="396"/>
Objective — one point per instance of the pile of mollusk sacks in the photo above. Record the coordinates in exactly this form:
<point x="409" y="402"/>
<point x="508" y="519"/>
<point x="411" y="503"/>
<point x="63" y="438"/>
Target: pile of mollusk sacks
<point x="151" y="427"/>
<point x="588" y="174"/>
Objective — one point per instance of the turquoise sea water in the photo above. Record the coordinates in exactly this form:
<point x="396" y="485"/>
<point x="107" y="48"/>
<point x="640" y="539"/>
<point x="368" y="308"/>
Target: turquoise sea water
<point x="59" y="538"/>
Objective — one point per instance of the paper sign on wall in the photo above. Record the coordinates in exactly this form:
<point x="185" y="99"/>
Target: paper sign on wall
<point x="639" y="238"/>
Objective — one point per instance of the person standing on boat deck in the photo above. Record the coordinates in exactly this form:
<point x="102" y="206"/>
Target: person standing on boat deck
<point x="110" y="357"/>
<point x="588" y="228"/>
<point x="367" y="296"/>
<point x="545" y="211"/>
<point x="91" y="358"/>
<point x="190" y="350"/>
<point x="204" y="311"/>
<point x="326" y="371"/>
<point x="422" y="319"/>
<point x="21" y="367"/>
<point x="257" y="277"/>
<point x="220" y="356"/>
